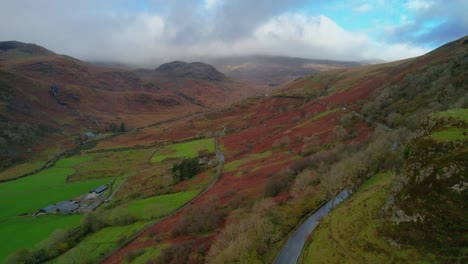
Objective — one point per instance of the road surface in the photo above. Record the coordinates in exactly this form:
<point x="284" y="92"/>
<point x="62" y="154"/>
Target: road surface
<point x="291" y="251"/>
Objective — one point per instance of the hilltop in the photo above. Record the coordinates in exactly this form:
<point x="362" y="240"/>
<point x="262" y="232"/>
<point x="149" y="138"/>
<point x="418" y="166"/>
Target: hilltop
<point x="193" y="70"/>
<point x="18" y="50"/>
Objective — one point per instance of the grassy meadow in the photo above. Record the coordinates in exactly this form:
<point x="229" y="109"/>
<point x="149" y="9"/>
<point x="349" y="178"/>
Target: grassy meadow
<point x="158" y="206"/>
<point x="26" y="232"/>
<point x="21" y="198"/>
<point x="186" y="149"/>
<point x="96" y="245"/>
<point x="28" y="195"/>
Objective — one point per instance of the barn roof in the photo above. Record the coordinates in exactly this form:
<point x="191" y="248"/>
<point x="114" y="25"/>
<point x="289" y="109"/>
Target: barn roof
<point x="99" y="189"/>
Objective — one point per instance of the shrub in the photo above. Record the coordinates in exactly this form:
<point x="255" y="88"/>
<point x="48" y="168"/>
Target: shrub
<point x="205" y="217"/>
<point x="278" y="182"/>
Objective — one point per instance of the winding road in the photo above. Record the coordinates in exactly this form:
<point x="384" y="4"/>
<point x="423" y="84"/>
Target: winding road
<point x="292" y="249"/>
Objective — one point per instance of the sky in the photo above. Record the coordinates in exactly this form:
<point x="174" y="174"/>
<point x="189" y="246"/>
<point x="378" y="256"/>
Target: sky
<point x="149" y="32"/>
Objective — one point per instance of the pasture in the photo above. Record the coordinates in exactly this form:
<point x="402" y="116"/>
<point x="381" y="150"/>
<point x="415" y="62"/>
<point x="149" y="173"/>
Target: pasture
<point x="26" y="232"/>
<point x="21" y="198"/>
<point x="96" y="245"/>
<point x="28" y="195"/>
<point x="187" y="149"/>
<point x="158" y="206"/>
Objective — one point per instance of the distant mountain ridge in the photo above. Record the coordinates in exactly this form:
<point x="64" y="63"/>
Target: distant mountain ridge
<point x="193" y="70"/>
<point x="274" y="70"/>
<point x="19" y="50"/>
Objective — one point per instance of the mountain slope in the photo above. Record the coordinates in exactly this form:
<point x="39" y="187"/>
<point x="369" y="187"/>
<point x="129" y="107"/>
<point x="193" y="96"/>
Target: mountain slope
<point x="199" y="82"/>
<point x="273" y="70"/>
<point x="415" y="216"/>
<point x="55" y="98"/>
<point x="288" y="152"/>
<point x="18" y="50"/>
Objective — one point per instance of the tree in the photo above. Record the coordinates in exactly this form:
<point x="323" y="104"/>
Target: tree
<point x="122" y="127"/>
<point x="113" y="128"/>
<point x="186" y="169"/>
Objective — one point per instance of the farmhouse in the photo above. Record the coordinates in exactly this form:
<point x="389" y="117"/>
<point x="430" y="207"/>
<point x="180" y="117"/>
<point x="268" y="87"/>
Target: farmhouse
<point x="98" y="190"/>
<point x="65" y="207"/>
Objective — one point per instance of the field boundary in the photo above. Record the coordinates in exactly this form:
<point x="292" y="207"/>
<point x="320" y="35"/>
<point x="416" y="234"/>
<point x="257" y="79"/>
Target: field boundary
<point x="220" y="157"/>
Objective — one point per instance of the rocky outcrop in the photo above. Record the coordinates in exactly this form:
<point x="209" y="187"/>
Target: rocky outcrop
<point x="428" y="205"/>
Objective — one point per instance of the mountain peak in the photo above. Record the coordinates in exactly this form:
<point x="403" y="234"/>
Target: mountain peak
<point x="18" y="50"/>
<point x="192" y="70"/>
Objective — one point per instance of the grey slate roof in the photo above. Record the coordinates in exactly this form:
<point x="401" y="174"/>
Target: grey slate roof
<point x="64" y="207"/>
<point x="99" y="189"/>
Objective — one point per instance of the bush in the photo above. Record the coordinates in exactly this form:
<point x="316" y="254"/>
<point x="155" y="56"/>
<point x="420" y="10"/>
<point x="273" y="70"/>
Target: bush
<point x="199" y="218"/>
<point x="192" y="251"/>
<point x="278" y="182"/>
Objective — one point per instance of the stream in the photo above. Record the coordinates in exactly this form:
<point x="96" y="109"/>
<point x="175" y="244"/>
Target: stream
<point x="292" y="249"/>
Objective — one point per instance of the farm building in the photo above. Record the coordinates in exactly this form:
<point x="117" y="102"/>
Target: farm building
<point x="65" y="207"/>
<point x="98" y="190"/>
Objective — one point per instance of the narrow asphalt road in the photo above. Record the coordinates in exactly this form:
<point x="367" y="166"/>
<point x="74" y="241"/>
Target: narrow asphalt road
<point x="292" y="249"/>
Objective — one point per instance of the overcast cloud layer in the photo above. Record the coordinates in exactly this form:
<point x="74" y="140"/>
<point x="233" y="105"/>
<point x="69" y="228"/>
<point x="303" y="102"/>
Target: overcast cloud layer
<point x="151" y="32"/>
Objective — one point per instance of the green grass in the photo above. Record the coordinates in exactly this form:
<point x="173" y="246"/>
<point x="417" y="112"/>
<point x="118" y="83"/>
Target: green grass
<point x="20" y="169"/>
<point x="450" y="134"/>
<point x="112" y="164"/>
<point x="233" y="165"/>
<point x="98" y="244"/>
<point x="186" y="149"/>
<point x="29" y="194"/>
<point x="72" y="162"/>
<point x="461" y="114"/>
<point x="158" y="206"/>
<point x="150" y="253"/>
<point x="26" y="232"/>
<point x="350" y="232"/>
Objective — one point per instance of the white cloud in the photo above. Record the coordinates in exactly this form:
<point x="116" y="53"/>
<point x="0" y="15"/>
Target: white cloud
<point x="418" y="5"/>
<point x="364" y="8"/>
<point x="210" y="4"/>
<point x="148" y="38"/>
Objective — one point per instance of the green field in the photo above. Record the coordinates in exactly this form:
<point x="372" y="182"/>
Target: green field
<point x="26" y="232"/>
<point x="350" y="232"/>
<point x="98" y="244"/>
<point x="28" y="195"/>
<point x="112" y="164"/>
<point x="186" y="149"/>
<point x="72" y="162"/>
<point x="20" y="169"/>
<point x="158" y="206"/>
<point x="155" y="207"/>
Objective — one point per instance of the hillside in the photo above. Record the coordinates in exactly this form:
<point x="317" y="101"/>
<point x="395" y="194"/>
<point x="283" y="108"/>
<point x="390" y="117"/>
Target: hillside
<point x="18" y="50"/>
<point x="288" y="152"/>
<point x="56" y="98"/>
<point x="273" y="70"/>
<point x="193" y="70"/>
<point x="264" y="163"/>
<point x="199" y="82"/>
<point x="423" y="205"/>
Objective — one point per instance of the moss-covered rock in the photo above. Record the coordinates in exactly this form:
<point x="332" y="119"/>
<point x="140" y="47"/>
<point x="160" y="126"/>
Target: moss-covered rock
<point x="428" y="205"/>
